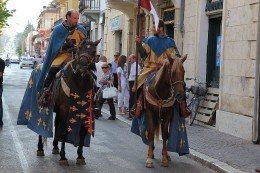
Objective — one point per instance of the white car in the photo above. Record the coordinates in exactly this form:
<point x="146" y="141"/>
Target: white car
<point x="26" y="62"/>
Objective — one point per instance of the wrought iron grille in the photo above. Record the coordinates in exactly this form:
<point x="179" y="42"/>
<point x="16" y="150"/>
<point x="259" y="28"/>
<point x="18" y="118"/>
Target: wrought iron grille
<point x="213" y="5"/>
<point x="89" y="5"/>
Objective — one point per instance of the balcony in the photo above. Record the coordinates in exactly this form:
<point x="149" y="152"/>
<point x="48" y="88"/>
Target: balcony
<point x="89" y="6"/>
<point x="214" y="7"/>
<point x="125" y="6"/>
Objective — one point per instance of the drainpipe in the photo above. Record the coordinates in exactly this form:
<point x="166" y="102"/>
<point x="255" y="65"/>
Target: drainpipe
<point x="182" y="22"/>
<point x="182" y="16"/>
<point x="256" y="118"/>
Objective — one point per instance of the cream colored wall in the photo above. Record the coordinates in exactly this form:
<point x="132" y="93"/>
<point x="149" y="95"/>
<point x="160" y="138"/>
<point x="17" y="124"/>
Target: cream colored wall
<point x="238" y="65"/>
<point x="49" y="19"/>
<point x="109" y="37"/>
<point x="190" y="45"/>
<point x="238" y="68"/>
<point x="72" y="4"/>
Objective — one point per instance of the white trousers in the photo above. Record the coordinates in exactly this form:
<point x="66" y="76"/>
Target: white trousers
<point x="123" y="97"/>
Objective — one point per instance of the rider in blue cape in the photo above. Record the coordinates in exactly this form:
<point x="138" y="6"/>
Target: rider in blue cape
<point x="64" y="39"/>
<point x="155" y="51"/>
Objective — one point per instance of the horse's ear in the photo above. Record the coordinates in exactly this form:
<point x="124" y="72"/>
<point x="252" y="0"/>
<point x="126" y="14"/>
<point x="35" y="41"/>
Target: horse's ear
<point x="184" y="58"/>
<point x="97" y="42"/>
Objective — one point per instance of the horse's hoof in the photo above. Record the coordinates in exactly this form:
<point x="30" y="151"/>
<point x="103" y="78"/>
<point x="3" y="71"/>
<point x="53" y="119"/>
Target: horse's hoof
<point x="55" y="151"/>
<point x="165" y="162"/>
<point x="40" y="153"/>
<point x="64" y="162"/>
<point x="149" y="163"/>
<point x="81" y="161"/>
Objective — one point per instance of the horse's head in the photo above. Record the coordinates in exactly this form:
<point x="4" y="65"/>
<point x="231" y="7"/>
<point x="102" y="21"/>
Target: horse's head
<point x="177" y="82"/>
<point x="86" y="56"/>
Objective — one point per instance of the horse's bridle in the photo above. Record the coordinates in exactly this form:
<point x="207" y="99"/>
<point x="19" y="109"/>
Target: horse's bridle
<point x="83" y="69"/>
<point x="175" y="96"/>
<point x="179" y="96"/>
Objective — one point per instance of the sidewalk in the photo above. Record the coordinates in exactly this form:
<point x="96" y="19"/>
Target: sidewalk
<point x="219" y="151"/>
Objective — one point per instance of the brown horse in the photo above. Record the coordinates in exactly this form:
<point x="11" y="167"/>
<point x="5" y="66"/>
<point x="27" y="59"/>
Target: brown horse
<point x="78" y="76"/>
<point x="166" y="89"/>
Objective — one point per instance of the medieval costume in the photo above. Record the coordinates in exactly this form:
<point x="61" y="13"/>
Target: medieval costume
<point x="63" y="38"/>
<point x="154" y="50"/>
<point x="40" y="119"/>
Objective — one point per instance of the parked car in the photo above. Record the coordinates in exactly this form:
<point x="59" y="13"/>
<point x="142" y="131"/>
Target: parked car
<point x="26" y="62"/>
<point x="14" y="60"/>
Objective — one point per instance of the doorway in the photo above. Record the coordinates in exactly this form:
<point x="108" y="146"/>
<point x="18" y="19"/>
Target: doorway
<point x="170" y="30"/>
<point x="213" y="52"/>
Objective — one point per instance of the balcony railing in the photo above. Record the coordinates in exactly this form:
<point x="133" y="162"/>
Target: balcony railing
<point x="90" y="5"/>
<point x="214" y="5"/>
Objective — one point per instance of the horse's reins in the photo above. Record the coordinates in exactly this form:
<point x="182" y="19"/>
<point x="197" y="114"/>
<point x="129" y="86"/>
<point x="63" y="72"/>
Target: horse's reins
<point x="163" y="103"/>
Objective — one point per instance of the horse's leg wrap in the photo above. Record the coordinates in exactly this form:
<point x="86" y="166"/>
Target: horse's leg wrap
<point x="40" y="151"/>
<point x="81" y="159"/>
<point x="62" y="152"/>
<point x="55" y="142"/>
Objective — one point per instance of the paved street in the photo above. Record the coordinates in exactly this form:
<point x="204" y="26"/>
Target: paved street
<point x="113" y="149"/>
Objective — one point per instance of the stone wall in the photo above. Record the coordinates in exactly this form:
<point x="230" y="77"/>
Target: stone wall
<point x="190" y="37"/>
<point x="238" y="68"/>
<point x="109" y="35"/>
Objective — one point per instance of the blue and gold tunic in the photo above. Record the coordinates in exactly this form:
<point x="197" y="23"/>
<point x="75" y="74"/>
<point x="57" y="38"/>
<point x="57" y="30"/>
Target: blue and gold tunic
<point x="158" y="48"/>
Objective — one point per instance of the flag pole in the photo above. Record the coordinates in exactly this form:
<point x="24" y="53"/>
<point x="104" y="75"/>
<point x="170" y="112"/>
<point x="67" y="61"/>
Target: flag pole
<point x="136" y="48"/>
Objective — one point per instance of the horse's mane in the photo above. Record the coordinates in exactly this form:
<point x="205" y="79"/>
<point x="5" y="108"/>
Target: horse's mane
<point x="159" y="75"/>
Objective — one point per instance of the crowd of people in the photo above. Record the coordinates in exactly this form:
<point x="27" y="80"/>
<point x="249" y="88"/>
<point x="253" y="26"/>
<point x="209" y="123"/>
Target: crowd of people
<point x="120" y="73"/>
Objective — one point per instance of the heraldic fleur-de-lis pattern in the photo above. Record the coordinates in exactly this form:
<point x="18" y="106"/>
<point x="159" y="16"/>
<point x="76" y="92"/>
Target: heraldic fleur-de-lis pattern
<point x="37" y="118"/>
<point x="80" y="113"/>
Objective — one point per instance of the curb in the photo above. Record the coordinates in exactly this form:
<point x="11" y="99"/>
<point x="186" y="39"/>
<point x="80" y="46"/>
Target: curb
<point x="214" y="164"/>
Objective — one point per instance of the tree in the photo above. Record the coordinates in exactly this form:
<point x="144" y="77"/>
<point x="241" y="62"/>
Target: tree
<point x="4" y="14"/>
<point x="20" y="39"/>
<point x="19" y="44"/>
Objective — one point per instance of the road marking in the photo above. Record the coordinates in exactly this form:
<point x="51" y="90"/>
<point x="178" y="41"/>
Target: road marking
<point x="16" y="140"/>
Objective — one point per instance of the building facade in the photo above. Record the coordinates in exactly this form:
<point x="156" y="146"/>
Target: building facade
<point x="220" y="38"/>
<point x="46" y="21"/>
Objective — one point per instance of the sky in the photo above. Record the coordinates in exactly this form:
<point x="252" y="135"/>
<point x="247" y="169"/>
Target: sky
<point x="26" y="10"/>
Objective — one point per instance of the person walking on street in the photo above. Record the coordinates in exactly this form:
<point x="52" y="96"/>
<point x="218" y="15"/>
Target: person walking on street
<point x="2" y="68"/>
<point x="123" y="87"/>
<point x="99" y="72"/>
<point x="114" y="68"/>
<point x="131" y="80"/>
<point x="106" y="80"/>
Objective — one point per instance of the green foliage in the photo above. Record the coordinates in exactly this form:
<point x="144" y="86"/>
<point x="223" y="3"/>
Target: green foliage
<point x="4" y="14"/>
<point x="19" y="43"/>
<point x="20" y="39"/>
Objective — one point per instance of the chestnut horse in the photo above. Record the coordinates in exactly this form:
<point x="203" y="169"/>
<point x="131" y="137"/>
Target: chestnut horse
<point x="166" y="89"/>
<point x="78" y="75"/>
